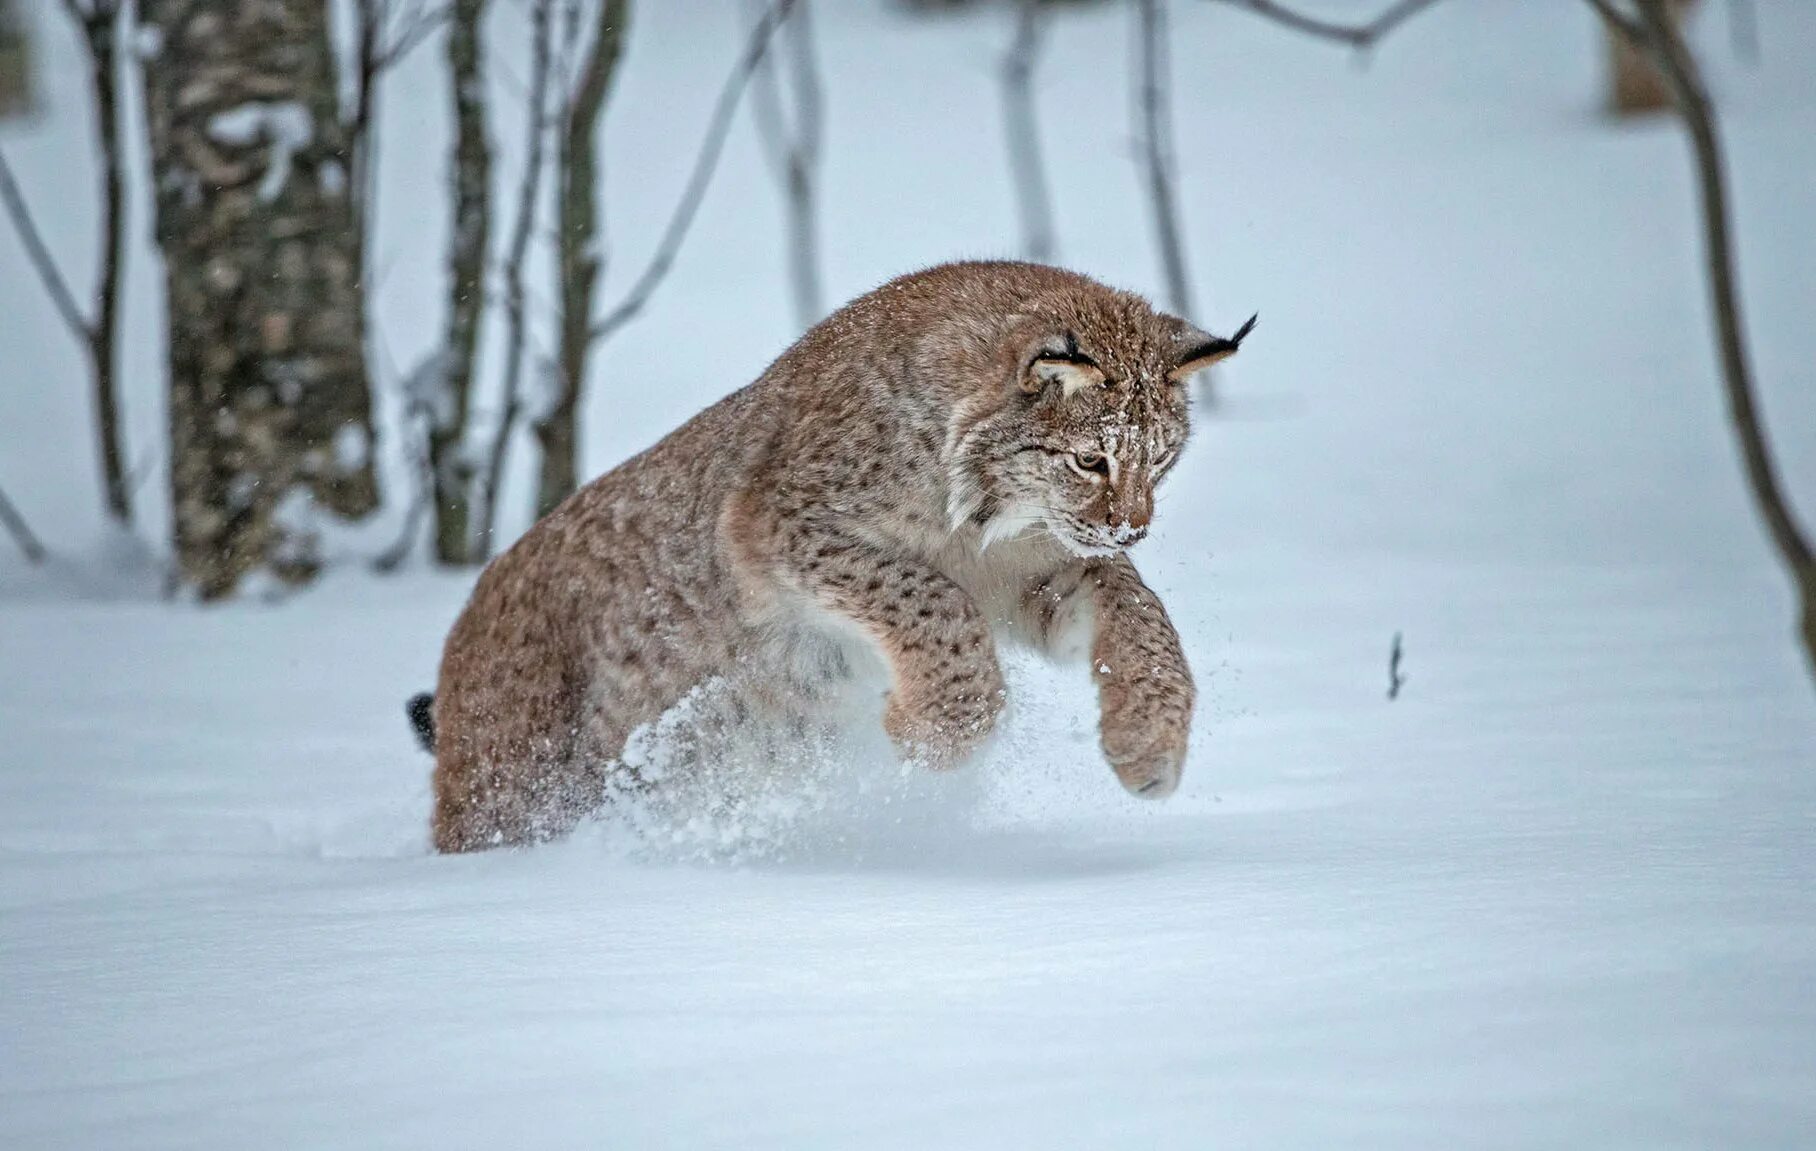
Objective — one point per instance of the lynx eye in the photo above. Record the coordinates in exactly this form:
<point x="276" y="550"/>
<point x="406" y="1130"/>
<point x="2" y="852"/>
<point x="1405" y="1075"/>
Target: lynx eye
<point x="1089" y="463"/>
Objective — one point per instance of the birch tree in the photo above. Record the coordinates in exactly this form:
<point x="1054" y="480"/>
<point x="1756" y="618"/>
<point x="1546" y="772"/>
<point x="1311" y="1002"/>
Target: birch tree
<point x="270" y="406"/>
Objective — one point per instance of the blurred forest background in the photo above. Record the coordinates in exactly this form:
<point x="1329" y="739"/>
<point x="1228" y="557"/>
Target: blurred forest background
<point x="252" y="141"/>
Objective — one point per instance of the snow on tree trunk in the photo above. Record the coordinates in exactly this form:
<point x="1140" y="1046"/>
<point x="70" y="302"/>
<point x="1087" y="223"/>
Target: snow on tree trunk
<point x="270" y="406"/>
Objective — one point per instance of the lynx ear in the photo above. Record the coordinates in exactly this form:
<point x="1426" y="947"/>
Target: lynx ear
<point x="1072" y="376"/>
<point x="1060" y="362"/>
<point x="1198" y="350"/>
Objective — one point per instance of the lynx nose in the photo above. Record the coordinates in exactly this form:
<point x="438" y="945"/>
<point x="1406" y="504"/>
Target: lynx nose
<point x="1126" y="535"/>
<point x="1132" y="512"/>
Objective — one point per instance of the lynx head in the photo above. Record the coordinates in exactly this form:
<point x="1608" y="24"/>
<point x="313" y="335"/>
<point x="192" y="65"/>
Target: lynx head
<point x="1087" y="415"/>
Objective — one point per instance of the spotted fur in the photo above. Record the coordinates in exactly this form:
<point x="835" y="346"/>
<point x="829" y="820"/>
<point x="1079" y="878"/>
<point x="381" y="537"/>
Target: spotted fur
<point x="962" y="455"/>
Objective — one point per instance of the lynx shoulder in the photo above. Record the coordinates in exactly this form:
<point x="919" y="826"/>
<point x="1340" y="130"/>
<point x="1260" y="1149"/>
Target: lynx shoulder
<point x="960" y="457"/>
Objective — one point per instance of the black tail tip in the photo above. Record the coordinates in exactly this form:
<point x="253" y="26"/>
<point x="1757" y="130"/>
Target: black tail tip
<point x="421" y="710"/>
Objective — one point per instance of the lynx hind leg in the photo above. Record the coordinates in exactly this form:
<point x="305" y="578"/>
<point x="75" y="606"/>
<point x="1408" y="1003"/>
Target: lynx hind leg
<point x="507" y="768"/>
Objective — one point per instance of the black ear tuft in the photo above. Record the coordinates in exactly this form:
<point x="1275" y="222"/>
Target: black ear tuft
<point x="1198" y="350"/>
<point x="1218" y="347"/>
<point x="1244" y="330"/>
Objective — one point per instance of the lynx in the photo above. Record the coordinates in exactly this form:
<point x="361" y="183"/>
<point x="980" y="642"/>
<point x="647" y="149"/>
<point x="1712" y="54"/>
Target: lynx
<point x="963" y="454"/>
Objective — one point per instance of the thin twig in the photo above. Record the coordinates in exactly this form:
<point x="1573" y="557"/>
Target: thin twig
<point x="1354" y="35"/>
<point x="711" y="145"/>
<point x="103" y="33"/>
<point x="1395" y="681"/>
<point x="20" y="530"/>
<point x="1021" y="129"/>
<point x="46" y="265"/>
<point x="793" y="150"/>
<point x="1156" y="132"/>
<point x="101" y="27"/>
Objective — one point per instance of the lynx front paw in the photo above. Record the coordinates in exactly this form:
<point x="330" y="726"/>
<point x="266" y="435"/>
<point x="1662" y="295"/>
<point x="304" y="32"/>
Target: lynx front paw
<point x="1144" y="737"/>
<point x="938" y="733"/>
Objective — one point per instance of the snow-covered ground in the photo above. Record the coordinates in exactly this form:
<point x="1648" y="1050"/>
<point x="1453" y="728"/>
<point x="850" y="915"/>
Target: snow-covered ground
<point x="1561" y="893"/>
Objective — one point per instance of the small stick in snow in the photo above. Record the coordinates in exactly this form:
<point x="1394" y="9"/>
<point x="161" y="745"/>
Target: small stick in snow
<point x="1394" y="678"/>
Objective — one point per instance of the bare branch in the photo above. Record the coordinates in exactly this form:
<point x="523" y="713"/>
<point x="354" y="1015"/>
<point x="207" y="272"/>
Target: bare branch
<point x="793" y="150"/>
<point x="1021" y="130"/>
<point x="1663" y="41"/>
<point x="1354" y="35"/>
<point x="20" y="530"/>
<point x="1156" y="133"/>
<point x="103" y="34"/>
<point x="810" y="94"/>
<point x="711" y="145"/>
<point x="101" y="24"/>
<point x="579" y="246"/>
<point x="529" y="194"/>
<point x="384" y="37"/>
<point x="46" y="265"/>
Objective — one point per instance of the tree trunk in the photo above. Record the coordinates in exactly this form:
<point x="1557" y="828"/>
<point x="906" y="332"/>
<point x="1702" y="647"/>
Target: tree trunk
<point x="579" y="256"/>
<point x="450" y="468"/>
<point x="270" y="406"/>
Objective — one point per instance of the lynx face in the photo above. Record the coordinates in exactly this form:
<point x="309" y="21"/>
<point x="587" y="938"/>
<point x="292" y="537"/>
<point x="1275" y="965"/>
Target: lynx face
<point x="1093" y="417"/>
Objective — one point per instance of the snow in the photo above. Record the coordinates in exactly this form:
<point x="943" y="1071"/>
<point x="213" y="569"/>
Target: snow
<point x="352" y="447"/>
<point x="1560" y="893"/>
<point x="284" y="126"/>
